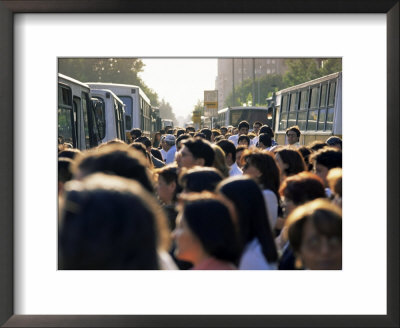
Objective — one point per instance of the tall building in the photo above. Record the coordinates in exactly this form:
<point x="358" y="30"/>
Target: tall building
<point x="233" y="71"/>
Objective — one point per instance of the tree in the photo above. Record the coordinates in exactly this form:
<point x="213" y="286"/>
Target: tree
<point x="115" y="70"/>
<point x="166" y="111"/>
<point x="243" y="93"/>
<point x="306" y="69"/>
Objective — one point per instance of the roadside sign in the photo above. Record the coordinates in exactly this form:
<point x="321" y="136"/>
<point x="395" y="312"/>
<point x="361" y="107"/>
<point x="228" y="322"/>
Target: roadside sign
<point x="211" y="99"/>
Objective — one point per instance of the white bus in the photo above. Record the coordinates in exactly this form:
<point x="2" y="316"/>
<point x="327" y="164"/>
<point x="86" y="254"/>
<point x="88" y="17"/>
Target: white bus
<point x="165" y="122"/>
<point x="137" y="105"/>
<point x="234" y="115"/>
<point x="76" y="119"/>
<point x="110" y="115"/>
<point x="314" y="106"/>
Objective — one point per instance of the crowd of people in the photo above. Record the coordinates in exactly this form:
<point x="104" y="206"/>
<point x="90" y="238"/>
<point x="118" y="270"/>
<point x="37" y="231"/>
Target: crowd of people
<point x="221" y="199"/>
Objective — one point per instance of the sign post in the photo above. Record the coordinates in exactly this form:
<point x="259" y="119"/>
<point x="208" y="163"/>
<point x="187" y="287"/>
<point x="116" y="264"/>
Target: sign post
<point x="211" y="103"/>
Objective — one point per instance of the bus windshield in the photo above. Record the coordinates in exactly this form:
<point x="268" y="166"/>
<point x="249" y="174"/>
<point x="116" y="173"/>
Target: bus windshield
<point x="249" y="115"/>
<point x="128" y="110"/>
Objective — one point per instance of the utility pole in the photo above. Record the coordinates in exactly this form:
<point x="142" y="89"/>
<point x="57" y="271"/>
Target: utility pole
<point x="254" y="82"/>
<point x="233" y="82"/>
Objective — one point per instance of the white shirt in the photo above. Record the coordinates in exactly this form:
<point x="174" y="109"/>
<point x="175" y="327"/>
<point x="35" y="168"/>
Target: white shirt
<point x="253" y="258"/>
<point x="235" y="170"/>
<point x="163" y="154"/>
<point x="170" y="155"/>
<point x="235" y="139"/>
<point x="271" y="205"/>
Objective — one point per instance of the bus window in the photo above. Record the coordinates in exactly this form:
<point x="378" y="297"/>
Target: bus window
<point x="329" y="119"/>
<point x="283" y="121"/>
<point x="66" y="131"/>
<point x="99" y="113"/>
<point x="321" y="119"/>
<point x="284" y="103"/>
<point x="331" y="100"/>
<point x="302" y="120"/>
<point x="303" y="99"/>
<point x="293" y="106"/>
<point x="292" y="119"/>
<point x="312" y="120"/>
<point x="324" y="90"/>
<point x="128" y="111"/>
<point x="314" y="97"/>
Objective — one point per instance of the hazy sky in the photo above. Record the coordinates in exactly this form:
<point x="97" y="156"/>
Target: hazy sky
<point x="181" y="82"/>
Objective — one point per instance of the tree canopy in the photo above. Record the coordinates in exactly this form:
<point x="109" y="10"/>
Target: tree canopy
<point x="166" y="111"/>
<point x="299" y="71"/>
<point x="114" y="70"/>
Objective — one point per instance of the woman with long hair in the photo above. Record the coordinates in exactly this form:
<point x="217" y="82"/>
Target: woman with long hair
<point x="257" y="242"/>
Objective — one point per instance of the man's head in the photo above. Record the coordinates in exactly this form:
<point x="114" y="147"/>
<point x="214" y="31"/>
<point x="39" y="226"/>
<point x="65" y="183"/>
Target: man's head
<point x="207" y="132"/>
<point x="229" y="149"/>
<point x="169" y="141"/>
<point x="264" y="140"/>
<point x="325" y="159"/>
<point x="196" y="151"/>
<point x="224" y="130"/>
<point x="244" y="140"/>
<point x="135" y="133"/>
<point x="293" y="135"/>
<point x="256" y="127"/>
<point x="145" y="141"/>
<point x="243" y="127"/>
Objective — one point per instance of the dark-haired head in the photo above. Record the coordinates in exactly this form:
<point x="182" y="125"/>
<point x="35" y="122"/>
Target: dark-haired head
<point x="253" y="218"/>
<point x="199" y="179"/>
<point x="110" y="223"/>
<point x="290" y="161"/>
<point x="70" y="153"/>
<point x="119" y="160"/>
<point x="201" y="150"/>
<point x="212" y="220"/>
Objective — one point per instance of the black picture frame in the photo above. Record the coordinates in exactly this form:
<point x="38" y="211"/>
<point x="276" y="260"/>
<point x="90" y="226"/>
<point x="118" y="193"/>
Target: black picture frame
<point x="7" y="10"/>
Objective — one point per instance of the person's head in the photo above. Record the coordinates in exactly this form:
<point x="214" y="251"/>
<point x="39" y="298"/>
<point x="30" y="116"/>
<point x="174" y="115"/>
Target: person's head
<point x="70" y="153"/>
<point x="220" y="161"/>
<point x="206" y="227"/>
<point x="197" y="179"/>
<point x="256" y="127"/>
<point x="179" y="140"/>
<point x="190" y="129"/>
<point x="243" y="127"/>
<point x="316" y="145"/>
<point x="290" y="162"/>
<point x="119" y="160"/>
<point x="264" y="140"/>
<point x="324" y="160"/>
<point x="306" y="152"/>
<point x="64" y="172"/>
<point x="167" y="184"/>
<point x="195" y="151"/>
<point x="110" y="223"/>
<point x="135" y="133"/>
<point x="207" y="132"/>
<point x="266" y="129"/>
<point x="244" y="140"/>
<point x="315" y="235"/>
<point x="142" y="149"/>
<point x="234" y="131"/>
<point x="215" y="133"/>
<point x="248" y="199"/>
<point x="335" y="142"/>
<point x="180" y="132"/>
<point x="224" y="130"/>
<point x="169" y="141"/>
<point x="145" y="141"/>
<point x="334" y="178"/>
<point x="293" y="135"/>
<point x="261" y="166"/>
<point x="299" y="189"/>
<point x="229" y="149"/>
<point x="239" y="153"/>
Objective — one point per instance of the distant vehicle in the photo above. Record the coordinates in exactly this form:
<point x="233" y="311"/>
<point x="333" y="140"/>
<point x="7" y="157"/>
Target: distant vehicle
<point x="137" y="105"/>
<point x="110" y="114"/>
<point x="76" y="119"/>
<point x="234" y="115"/>
<point x="167" y="123"/>
<point x="314" y="106"/>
